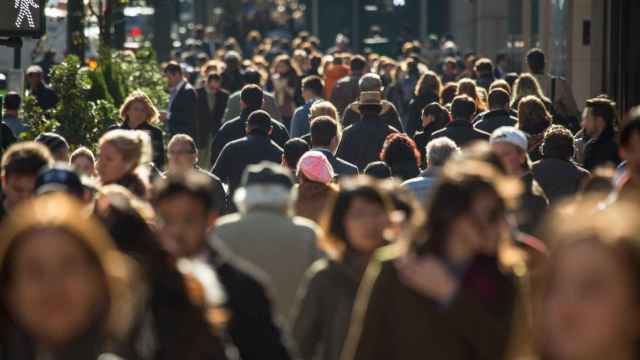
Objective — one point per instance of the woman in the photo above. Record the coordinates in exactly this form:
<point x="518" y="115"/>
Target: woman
<point x="122" y="155"/>
<point x="354" y="226"/>
<point x="468" y="87"/>
<point x="84" y="162"/>
<point x="534" y="120"/>
<point x="448" y="93"/>
<point x="527" y="85"/>
<point x="139" y="113"/>
<point x="67" y="292"/>
<point x="585" y="295"/>
<point x="426" y="92"/>
<point x="434" y="117"/>
<point x="285" y="84"/>
<point x="315" y="185"/>
<point x="451" y="299"/>
<point x="401" y="154"/>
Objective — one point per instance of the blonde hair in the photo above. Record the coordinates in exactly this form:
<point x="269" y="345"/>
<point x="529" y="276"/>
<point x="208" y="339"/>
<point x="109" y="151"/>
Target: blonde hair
<point x="82" y="152"/>
<point x="526" y="85"/>
<point x="429" y="81"/>
<point x="325" y="108"/>
<point x="500" y="84"/>
<point x="139" y="96"/>
<point x="468" y="87"/>
<point x="133" y="145"/>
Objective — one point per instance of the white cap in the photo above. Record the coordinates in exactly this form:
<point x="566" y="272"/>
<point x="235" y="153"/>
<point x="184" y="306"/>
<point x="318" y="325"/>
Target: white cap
<point x="509" y="135"/>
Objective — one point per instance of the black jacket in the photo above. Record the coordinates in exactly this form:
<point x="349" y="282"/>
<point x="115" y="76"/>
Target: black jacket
<point x="182" y="119"/>
<point x="423" y="137"/>
<point x="491" y="120"/>
<point x="404" y="170"/>
<point x="413" y="121"/>
<point x="239" y="154"/>
<point x="157" y="140"/>
<point x="237" y="129"/>
<point x="361" y="143"/>
<point x="389" y="114"/>
<point x="532" y="205"/>
<point x="345" y="92"/>
<point x="461" y="132"/>
<point x="209" y="121"/>
<point x="340" y="167"/>
<point x="558" y="178"/>
<point x="601" y="151"/>
<point x="45" y="97"/>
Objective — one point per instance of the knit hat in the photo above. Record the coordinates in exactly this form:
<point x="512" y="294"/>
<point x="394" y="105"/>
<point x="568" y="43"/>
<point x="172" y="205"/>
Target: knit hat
<point x="315" y="167"/>
<point x="510" y="135"/>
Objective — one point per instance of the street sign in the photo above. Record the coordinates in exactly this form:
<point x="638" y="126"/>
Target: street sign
<point x="22" y="18"/>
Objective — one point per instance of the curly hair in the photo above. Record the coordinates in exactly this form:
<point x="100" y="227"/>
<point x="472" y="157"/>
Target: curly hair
<point x="429" y="83"/>
<point x="533" y="117"/>
<point x="527" y="85"/>
<point x="399" y="148"/>
<point x="140" y="96"/>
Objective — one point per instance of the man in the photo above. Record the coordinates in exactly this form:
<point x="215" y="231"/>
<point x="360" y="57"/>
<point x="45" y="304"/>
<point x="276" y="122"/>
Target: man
<point x="557" y="89"/>
<point x="361" y="143"/>
<point x="293" y="151"/>
<point x="264" y="233"/>
<point x="252" y="149"/>
<point x="21" y="164"/>
<point x="181" y="114"/>
<point x="251" y="76"/>
<point x="57" y="145"/>
<point x="460" y="129"/>
<point x="183" y="156"/>
<point x="212" y="102"/>
<point x="232" y="77"/>
<point x="449" y="70"/>
<point x="599" y="133"/>
<point x="325" y="139"/>
<point x="251" y="100"/>
<point x="346" y="89"/>
<point x="438" y="152"/>
<point x="556" y="172"/>
<point x="486" y="76"/>
<point x="312" y="90"/>
<point x="388" y="112"/>
<point x="499" y="114"/>
<point x="45" y="97"/>
<point x="11" y="105"/>
<point x="187" y="214"/>
<point x="510" y="145"/>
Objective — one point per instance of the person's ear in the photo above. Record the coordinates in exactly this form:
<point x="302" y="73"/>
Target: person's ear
<point x="211" y="220"/>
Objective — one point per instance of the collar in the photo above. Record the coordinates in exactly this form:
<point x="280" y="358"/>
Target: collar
<point x="460" y="123"/>
<point x="323" y="150"/>
<point x="178" y="86"/>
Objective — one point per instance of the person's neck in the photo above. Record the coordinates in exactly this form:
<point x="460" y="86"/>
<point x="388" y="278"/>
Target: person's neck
<point x="457" y="252"/>
<point x="134" y="124"/>
<point x="10" y="113"/>
<point x="326" y="148"/>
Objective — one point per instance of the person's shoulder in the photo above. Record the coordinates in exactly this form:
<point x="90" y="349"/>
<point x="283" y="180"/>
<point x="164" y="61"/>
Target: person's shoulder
<point x="481" y="133"/>
<point x="278" y="124"/>
<point x="305" y="225"/>
<point x="227" y="126"/>
<point x="228" y="221"/>
<point x="439" y="133"/>
<point x="346" y="164"/>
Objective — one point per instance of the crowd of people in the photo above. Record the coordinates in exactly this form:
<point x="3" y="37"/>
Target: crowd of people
<point x="291" y="203"/>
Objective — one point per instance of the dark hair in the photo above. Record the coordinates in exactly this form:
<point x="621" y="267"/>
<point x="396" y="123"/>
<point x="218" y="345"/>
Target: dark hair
<point x="323" y="130"/>
<point x="53" y="142"/>
<point x="536" y="60"/>
<point x="293" y="151"/>
<point x="449" y="91"/>
<point x="173" y="68"/>
<point x="335" y="240"/>
<point x="358" y="63"/>
<point x="484" y="66"/>
<point x="214" y="76"/>
<point x="399" y="148"/>
<point x="558" y="143"/>
<point x="463" y="107"/>
<point x="252" y="96"/>
<point x="12" y="101"/>
<point x="606" y="109"/>
<point x="27" y="159"/>
<point x="631" y="127"/>
<point x="252" y="76"/>
<point x="378" y="170"/>
<point x="441" y="116"/>
<point x="313" y="83"/>
<point x="499" y="99"/>
<point x="193" y="183"/>
<point x="511" y="78"/>
<point x="259" y="120"/>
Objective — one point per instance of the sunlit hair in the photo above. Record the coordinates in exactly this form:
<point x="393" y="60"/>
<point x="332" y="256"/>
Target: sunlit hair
<point x="429" y="83"/>
<point x="60" y="212"/>
<point x="533" y="117"/>
<point x="399" y="148"/>
<point x="500" y="84"/>
<point x="526" y="85"/>
<point x="468" y="87"/>
<point x="448" y="93"/>
<point x="134" y="146"/>
<point x="284" y="59"/>
<point x="82" y="152"/>
<point x="325" y="108"/>
<point x="139" y="96"/>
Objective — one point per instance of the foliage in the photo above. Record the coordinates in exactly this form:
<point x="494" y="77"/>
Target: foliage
<point x="37" y="120"/>
<point x="142" y="72"/>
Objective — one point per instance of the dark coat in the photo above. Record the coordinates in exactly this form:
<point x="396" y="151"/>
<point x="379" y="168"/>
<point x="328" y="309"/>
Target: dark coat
<point x="209" y="121"/>
<point x="157" y="141"/>
<point x="461" y="132"/>
<point x="413" y="120"/>
<point x="389" y="114"/>
<point x="404" y="170"/>
<point x="239" y="154"/>
<point x="345" y="92"/>
<point x="237" y="129"/>
<point x="491" y="120"/>
<point x="45" y="97"/>
<point x="601" y="151"/>
<point x="340" y="167"/>
<point x="361" y="143"/>
<point x="532" y="204"/>
<point x="423" y="137"/>
<point x="6" y="138"/>
<point x="182" y="111"/>
<point x="475" y="324"/>
<point x="559" y="178"/>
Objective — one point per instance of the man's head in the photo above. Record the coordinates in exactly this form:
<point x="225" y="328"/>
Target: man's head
<point x="558" y="143"/>
<point x="182" y="153"/>
<point x="370" y="103"/>
<point x="630" y="142"/>
<point x="324" y="133"/>
<point x="11" y="103"/>
<point x="450" y="66"/>
<point x="173" y="73"/>
<point x="293" y="151"/>
<point x="57" y="145"/>
<point x="35" y="76"/>
<point x="358" y="64"/>
<point x="599" y="116"/>
<point x="312" y="87"/>
<point x="251" y="97"/>
<point x="259" y="122"/>
<point x="21" y="165"/>
<point x="439" y="150"/>
<point x="510" y="144"/>
<point x="265" y="185"/>
<point x="463" y="108"/>
<point x="499" y="99"/>
<point x="370" y="82"/>
<point x="252" y="76"/>
<point x="214" y="82"/>
<point x="536" y="61"/>
<point x="186" y="207"/>
<point x="484" y="67"/>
